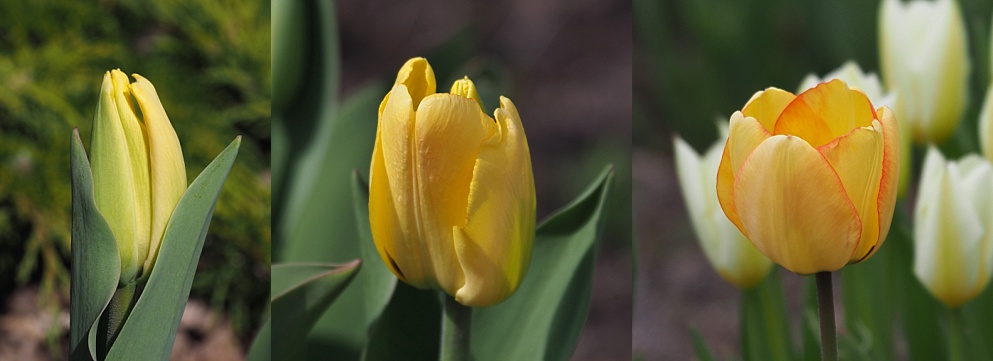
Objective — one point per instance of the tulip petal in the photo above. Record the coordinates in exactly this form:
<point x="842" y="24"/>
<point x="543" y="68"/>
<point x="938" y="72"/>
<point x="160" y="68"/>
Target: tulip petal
<point x="418" y="76"/>
<point x="889" y="182"/>
<point x="947" y="233"/>
<point x="744" y="135"/>
<point x="494" y="247"/>
<point x="825" y="112"/>
<point x="767" y="105"/>
<point x="167" y="169"/>
<point x="113" y="182"/>
<point x="858" y="159"/>
<point x="794" y="207"/>
<point x="394" y="144"/>
<point x="447" y="136"/>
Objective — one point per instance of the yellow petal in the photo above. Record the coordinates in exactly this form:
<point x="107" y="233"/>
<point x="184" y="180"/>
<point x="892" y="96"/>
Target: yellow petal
<point x="418" y="76"/>
<point x="447" y="136"/>
<point x="392" y="199"/>
<point x="825" y="112"/>
<point x="794" y="208"/>
<point x="858" y="159"/>
<point x="744" y="135"/>
<point x="167" y="168"/>
<point x="889" y="183"/>
<point x="466" y="88"/>
<point x="494" y="247"/>
<point x="113" y="180"/>
<point x="767" y="105"/>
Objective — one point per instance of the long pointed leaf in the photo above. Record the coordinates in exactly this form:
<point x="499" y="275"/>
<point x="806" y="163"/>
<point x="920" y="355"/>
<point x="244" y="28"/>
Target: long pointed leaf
<point x="96" y="264"/>
<point x="765" y="333"/>
<point x="543" y="319"/>
<point x="151" y="327"/>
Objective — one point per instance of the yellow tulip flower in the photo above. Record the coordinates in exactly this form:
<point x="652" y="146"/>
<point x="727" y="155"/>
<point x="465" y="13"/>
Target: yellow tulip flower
<point x="925" y="59"/>
<point x="451" y="193"/>
<point x="953" y="227"/>
<point x="811" y="179"/>
<point x="138" y="170"/>
<point x="729" y="252"/>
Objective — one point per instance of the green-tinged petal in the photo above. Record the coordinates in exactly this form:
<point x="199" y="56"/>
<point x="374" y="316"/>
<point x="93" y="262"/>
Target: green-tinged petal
<point x="986" y="124"/>
<point x="113" y="183"/>
<point x="166" y="164"/>
<point x="977" y="176"/>
<point x="494" y="247"/>
<point x="406" y="256"/>
<point x="947" y="233"/>
<point x="858" y="159"/>
<point x="766" y="105"/>
<point x="825" y="112"/>
<point x="794" y="208"/>
<point x="135" y="132"/>
<point x="418" y="76"/>
<point x="449" y="130"/>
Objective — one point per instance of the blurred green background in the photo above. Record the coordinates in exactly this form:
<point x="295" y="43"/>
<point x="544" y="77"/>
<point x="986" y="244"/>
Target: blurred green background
<point x="209" y="61"/>
<point x="695" y="63"/>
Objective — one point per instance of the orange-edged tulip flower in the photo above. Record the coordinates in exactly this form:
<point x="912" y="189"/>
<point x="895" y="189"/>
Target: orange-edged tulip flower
<point x="811" y="179"/>
<point x="451" y="193"/>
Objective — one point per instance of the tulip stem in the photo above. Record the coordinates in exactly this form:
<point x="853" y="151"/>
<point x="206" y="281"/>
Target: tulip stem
<point x="117" y="310"/>
<point x="825" y="305"/>
<point x="456" y="323"/>
<point x="956" y="336"/>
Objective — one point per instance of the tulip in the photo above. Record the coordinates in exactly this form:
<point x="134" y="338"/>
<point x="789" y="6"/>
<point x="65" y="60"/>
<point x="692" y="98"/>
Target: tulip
<point x="811" y="179"/>
<point x="986" y="124"/>
<point x="925" y="59"/>
<point x="734" y="257"/>
<point x="138" y="169"/>
<point x="953" y="227"/>
<point x="451" y="193"/>
<point x="869" y="83"/>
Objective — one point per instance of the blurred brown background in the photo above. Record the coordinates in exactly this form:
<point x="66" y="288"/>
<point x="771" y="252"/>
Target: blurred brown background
<point x="567" y="67"/>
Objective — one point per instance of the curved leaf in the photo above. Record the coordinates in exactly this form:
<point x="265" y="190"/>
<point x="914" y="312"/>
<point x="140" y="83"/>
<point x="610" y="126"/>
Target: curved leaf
<point x="300" y="294"/>
<point x="96" y="264"/>
<point x="151" y="327"/>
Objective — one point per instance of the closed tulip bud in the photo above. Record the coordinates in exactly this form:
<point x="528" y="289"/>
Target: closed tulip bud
<point x="869" y="84"/>
<point x="925" y="59"/>
<point x="451" y="193"/>
<point x="729" y="252"/>
<point x="811" y="179"/>
<point x="953" y="227"/>
<point x="138" y="169"/>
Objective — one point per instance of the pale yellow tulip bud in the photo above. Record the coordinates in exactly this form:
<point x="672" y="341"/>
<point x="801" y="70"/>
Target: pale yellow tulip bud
<point x="925" y="59"/>
<point x="138" y="170"/>
<point x="953" y="227"/>
<point x="451" y="193"/>
<point x="986" y="125"/>
<point x="729" y="252"/>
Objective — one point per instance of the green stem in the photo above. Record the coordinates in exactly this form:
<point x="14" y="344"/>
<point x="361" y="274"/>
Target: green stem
<point x="113" y="320"/>
<point x="956" y="336"/>
<point x="825" y="306"/>
<point x="456" y="322"/>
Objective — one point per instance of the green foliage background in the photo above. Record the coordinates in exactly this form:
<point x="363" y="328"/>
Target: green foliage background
<point x="209" y="61"/>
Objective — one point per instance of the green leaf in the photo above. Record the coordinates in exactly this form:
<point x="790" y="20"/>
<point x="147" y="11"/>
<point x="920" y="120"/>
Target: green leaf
<point x="261" y="349"/>
<point x="863" y="287"/>
<point x="543" y="319"/>
<point x="151" y="327"/>
<point x="408" y="329"/>
<point x="702" y="350"/>
<point x="321" y="224"/>
<point x="765" y="333"/>
<point x="301" y="293"/>
<point x="96" y="264"/>
<point x="918" y="309"/>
